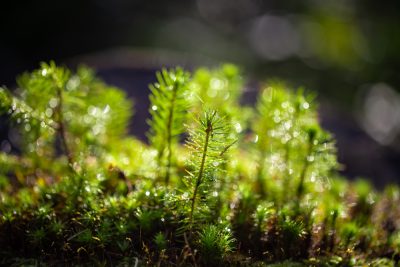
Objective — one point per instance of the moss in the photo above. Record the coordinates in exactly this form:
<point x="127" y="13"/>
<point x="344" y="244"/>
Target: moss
<point x="249" y="186"/>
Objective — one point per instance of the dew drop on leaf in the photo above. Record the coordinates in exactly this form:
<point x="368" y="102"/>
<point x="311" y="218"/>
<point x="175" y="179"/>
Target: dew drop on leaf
<point x="238" y="127"/>
<point x="53" y="102"/>
<point x="255" y="138"/>
<point x="106" y="109"/>
<point x="49" y="112"/>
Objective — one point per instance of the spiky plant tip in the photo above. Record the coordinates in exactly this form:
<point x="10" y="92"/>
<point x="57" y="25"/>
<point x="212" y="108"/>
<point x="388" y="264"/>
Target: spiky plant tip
<point x="214" y="244"/>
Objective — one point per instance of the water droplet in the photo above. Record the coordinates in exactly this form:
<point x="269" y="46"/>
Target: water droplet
<point x="73" y="83"/>
<point x="154" y="107"/>
<point x="255" y="138"/>
<point x="27" y="127"/>
<point x="306" y="105"/>
<point x="147" y="193"/>
<point x="238" y="127"/>
<point x="106" y="109"/>
<point x="44" y="72"/>
<point x="92" y="110"/>
<point x="53" y="102"/>
<point x="310" y="158"/>
<point x="216" y="84"/>
<point x="49" y="112"/>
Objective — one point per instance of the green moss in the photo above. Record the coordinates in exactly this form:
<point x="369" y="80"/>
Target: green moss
<point x="248" y="187"/>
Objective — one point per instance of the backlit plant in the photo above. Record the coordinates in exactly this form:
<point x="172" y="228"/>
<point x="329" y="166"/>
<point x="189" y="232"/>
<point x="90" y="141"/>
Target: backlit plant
<point x="215" y="184"/>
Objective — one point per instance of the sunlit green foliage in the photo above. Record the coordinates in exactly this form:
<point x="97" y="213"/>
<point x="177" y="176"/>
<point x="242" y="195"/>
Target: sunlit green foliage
<point x="77" y="110"/>
<point x="249" y="187"/>
<point x="208" y="142"/>
<point x="168" y="109"/>
<point x="290" y="145"/>
<point x="214" y="244"/>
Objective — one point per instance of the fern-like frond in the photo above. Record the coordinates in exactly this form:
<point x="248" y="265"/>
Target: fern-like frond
<point x="21" y="112"/>
<point x="168" y="108"/>
<point x="208" y="143"/>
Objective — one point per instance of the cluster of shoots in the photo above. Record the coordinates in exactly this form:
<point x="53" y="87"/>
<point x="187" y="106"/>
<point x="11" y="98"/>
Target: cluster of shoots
<point x="215" y="184"/>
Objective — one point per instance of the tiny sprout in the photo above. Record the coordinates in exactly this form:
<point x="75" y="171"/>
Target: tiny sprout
<point x="160" y="241"/>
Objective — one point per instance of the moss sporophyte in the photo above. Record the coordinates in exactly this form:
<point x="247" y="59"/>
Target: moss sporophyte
<point x="216" y="183"/>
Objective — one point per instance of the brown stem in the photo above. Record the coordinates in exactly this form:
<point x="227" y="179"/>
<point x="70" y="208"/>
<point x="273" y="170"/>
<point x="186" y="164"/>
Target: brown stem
<point x="260" y="183"/>
<point x="61" y="128"/>
<point x="300" y="188"/>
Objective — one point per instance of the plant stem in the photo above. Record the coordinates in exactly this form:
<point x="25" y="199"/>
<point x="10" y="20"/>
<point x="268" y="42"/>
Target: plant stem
<point x="300" y="188"/>
<point x="169" y="134"/>
<point x="286" y="181"/>
<point x="260" y="176"/>
<point x="61" y="128"/>
<point x="200" y="175"/>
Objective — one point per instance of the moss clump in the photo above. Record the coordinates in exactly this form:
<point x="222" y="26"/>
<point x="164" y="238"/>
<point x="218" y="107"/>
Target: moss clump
<point x="218" y="184"/>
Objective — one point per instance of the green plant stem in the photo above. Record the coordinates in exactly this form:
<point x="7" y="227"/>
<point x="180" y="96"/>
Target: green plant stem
<point x="300" y="188"/>
<point x="169" y="135"/>
<point x="200" y="176"/>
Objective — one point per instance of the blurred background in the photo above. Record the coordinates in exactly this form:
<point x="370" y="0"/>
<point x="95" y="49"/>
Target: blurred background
<point x="347" y="51"/>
